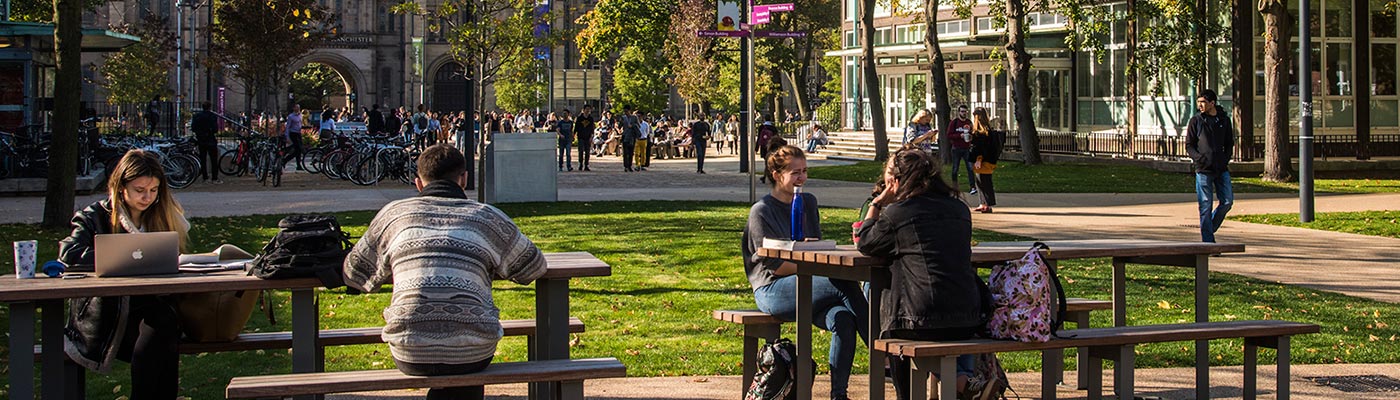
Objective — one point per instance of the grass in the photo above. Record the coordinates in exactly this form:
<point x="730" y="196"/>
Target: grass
<point x="1014" y="177"/>
<point x="675" y="262"/>
<point x="1374" y="223"/>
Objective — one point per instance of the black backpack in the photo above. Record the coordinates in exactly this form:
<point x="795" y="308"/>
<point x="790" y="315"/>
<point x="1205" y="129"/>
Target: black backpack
<point x="307" y="246"/>
<point x="777" y="372"/>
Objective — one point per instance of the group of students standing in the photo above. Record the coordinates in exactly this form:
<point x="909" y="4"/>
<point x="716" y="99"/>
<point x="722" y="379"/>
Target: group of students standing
<point x="972" y="143"/>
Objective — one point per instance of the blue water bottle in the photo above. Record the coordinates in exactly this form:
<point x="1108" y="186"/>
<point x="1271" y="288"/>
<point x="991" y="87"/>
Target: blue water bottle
<point x="797" y="216"/>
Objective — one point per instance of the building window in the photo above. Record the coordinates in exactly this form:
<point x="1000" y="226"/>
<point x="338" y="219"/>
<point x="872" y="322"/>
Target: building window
<point x="953" y="28"/>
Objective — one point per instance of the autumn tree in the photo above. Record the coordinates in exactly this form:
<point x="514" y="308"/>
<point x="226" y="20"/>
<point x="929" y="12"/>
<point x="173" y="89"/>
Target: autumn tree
<point x="640" y="27"/>
<point x="312" y="84"/>
<point x="520" y="84"/>
<point x="142" y="70"/>
<point x="1278" y="27"/>
<point x="495" y="36"/>
<point x="261" y="39"/>
<point x="793" y="57"/>
<point x="697" y="59"/>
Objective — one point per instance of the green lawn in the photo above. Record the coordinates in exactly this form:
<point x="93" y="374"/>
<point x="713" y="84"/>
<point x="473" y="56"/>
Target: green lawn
<point x="675" y="262"/>
<point x="1014" y="177"/>
<point x="1375" y="223"/>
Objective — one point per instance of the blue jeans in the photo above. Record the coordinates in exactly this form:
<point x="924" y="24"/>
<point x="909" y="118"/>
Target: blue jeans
<point x="837" y="306"/>
<point x="1219" y="187"/>
<point x="566" y="148"/>
<point x="960" y="158"/>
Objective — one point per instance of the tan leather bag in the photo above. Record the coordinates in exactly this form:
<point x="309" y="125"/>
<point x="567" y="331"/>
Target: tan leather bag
<point x="215" y="316"/>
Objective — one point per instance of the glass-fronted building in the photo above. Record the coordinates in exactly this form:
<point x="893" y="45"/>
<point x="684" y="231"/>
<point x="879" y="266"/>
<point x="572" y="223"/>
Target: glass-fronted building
<point x="1078" y="94"/>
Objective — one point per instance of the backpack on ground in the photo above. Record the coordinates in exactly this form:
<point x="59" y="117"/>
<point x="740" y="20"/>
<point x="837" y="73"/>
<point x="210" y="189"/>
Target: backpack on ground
<point x="307" y="246"/>
<point x="1027" y="297"/>
<point x="776" y="372"/>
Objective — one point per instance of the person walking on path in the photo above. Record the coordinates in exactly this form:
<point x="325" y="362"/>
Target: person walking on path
<point x="584" y="126"/>
<point x="466" y="141"/>
<point x="985" y="152"/>
<point x="960" y="140"/>
<point x="564" y="127"/>
<point x="699" y="135"/>
<point x="442" y="250"/>
<point x="205" y="124"/>
<point x="631" y="129"/>
<point x="292" y="135"/>
<point x="1210" y="142"/>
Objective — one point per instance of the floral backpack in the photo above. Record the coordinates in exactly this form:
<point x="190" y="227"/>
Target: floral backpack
<point x="776" y="372"/>
<point x="1028" y="302"/>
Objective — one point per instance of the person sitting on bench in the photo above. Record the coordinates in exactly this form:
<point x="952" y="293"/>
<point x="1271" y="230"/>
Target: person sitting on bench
<point x="442" y="250"/>
<point x="918" y="223"/>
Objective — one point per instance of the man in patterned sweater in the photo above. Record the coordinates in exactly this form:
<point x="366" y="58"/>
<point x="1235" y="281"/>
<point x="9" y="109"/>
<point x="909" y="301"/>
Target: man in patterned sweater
<point x="441" y="251"/>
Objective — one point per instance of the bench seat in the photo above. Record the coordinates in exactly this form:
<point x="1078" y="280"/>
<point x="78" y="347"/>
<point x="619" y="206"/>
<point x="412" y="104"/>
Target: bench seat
<point x="334" y="337"/>
<point x="571" y="373"/>
<point x="761" y="325"/>
<point x="1115" y="344"/>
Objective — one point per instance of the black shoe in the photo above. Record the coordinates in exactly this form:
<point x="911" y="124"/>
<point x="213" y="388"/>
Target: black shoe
<point x="700" y="172"/>
<point x="571" y="169"/>
<point x="587" y="169"/>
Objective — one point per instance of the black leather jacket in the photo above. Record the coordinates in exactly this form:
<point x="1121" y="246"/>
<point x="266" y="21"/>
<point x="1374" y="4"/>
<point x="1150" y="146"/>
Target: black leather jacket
<point x="928" y="240"/>
<point x="95" y="324"/>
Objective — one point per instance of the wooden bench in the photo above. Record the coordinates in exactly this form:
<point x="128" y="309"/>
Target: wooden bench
<point x="760" y="325"/>
<point x="571" y="373"/>
<point x="336" y="337"/>
<point x="1116" y="343"/>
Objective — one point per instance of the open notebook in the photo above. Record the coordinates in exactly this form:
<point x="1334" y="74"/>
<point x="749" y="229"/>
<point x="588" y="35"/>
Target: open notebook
<point x="226" y="257"/>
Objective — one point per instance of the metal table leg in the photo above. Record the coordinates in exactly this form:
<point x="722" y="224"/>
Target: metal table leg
<point x="21" y="350"/>
<point x="551" y="329"/>
<point x="1202" y="315"/>
<point x="804" y="337"/>
<point x="877" y="358"/>
<point x="307" y="353"/>
<point x="58" y="382"/>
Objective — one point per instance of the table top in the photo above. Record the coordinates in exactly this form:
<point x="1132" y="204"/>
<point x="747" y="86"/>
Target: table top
<point x="985" y="252"/>
<point x="561" y="266"/>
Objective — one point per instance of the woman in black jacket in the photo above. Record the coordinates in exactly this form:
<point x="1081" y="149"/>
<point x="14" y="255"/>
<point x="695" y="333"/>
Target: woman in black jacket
<point x="143" y="330"/>
<point x="919" y="224"/>
<point x="985" y="153"/>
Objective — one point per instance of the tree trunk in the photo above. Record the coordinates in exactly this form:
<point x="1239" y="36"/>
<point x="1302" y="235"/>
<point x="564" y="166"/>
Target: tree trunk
<point x="939" y="70"/>
<point x="799" y="80"/>
<point x="1132" y="77"/>
<point x="1019" y="65"/>
<point x="872" y="80"/>
<point x="1277" y="25"/>
<point x="63" y="152"/>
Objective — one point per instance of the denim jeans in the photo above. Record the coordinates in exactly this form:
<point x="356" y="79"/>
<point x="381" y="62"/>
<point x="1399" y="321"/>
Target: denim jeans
<point x="960" y="158"/>
<point x="1217" y="186"/>
<point x="566" y="148"/>
<point x="455" y="393"/>
<point x="837" y="306"/>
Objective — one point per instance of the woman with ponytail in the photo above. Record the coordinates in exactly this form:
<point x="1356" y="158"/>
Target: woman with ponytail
<point x="143" y="330"/>
<point x="837" y="306"/>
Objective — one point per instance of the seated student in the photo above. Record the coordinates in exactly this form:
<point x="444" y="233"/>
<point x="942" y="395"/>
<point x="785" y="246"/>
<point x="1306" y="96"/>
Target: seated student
<point x="837" y="306"/>
<point x="442" y="250"/>
<point x="816" y="137"/>
<point x="142" y="330"/>
<point x="919" y="224"/>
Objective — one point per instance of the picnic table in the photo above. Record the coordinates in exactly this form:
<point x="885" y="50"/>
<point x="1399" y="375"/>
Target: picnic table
<point x="63" y="379"/>
<point x="847" y="263"/>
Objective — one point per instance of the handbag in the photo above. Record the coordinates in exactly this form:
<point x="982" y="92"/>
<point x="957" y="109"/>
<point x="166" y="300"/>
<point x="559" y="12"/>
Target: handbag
<point x="987" y="168"/>
<point x="214" y="316"/>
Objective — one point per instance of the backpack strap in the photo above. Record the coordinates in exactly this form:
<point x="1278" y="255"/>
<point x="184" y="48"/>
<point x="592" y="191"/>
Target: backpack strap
<point x="1061" y="310"/>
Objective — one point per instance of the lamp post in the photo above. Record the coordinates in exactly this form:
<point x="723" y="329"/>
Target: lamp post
<point x="1305" y="115"/>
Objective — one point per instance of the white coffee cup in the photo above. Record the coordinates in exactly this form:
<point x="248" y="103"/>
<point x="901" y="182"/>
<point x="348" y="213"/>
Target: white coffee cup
<point x="25" y="255"/>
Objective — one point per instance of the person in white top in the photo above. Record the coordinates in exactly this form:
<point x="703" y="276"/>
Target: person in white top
<point x="525" y="123"/>
<point x="643" y="145"/>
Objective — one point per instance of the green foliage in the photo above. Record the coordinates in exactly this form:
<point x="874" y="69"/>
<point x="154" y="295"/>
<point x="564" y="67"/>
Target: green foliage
<point x="675" y="262"/>
<point x="521" y="84"/>
<point x="695" y="68"/>
<point x="313" y="84"/>
<point x="1374" y="223"/>
<point x="831" y="89"/>
<point x="262" y="38"/>
<point x="639" y="82"/>
<point x="41" y="10"/>
<point x="614" y="25"/>
<point x="140" y="71"/>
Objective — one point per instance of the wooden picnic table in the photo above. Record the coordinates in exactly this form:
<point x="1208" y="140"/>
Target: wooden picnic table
<point x="63" y="379"/>
<point x="849" y="264"/>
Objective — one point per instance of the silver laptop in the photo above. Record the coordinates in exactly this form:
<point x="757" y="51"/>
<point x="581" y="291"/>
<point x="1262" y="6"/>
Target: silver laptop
<point x="132" y="254"/>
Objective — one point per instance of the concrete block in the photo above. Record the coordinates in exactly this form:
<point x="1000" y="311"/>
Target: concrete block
<point x="521" y="167"/>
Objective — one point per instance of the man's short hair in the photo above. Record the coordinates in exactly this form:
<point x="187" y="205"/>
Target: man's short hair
<point x="1208" y="94"/>
<point x="207" y="106"/>
<point x="441" y="162"/>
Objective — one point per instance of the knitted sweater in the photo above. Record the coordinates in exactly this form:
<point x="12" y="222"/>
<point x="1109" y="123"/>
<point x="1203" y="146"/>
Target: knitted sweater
<point x="441" y="251"/>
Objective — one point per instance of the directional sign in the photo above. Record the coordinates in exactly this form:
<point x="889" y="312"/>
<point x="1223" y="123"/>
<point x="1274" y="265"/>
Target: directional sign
<point x="713" y="33"/>
<point x="760" y="16"/>
<point x="780" y="7"/>
<point x="779" y="34"/>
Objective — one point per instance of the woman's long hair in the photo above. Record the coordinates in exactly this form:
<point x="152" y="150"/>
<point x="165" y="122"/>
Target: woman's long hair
<point x="917" y="173"/>
<point x="164" y="215"/>
<point x="981" y="124"/>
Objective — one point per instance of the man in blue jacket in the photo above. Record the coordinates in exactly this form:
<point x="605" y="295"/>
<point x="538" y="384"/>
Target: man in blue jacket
<point x="1211" y="142"/>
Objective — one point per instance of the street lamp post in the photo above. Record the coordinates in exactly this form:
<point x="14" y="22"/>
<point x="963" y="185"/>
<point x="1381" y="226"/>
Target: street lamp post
<point x="1305" y="111"/>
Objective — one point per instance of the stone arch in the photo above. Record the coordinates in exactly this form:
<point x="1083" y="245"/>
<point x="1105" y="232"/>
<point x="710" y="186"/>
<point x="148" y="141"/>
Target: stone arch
<point x="356" y="80"/>
<point x="447" y="89"/>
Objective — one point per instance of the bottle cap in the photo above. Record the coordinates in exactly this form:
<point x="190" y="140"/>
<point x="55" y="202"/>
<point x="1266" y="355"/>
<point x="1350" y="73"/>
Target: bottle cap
<point x="53" y="268"/>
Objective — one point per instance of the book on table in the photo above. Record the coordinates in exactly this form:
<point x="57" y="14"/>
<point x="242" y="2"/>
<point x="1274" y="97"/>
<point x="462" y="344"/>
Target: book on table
<point x="799" y="245"/>
<point x="226" y="257"/>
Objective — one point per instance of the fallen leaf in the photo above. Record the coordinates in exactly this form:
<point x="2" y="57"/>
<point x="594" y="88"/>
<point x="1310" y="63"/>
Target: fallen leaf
<point x="633" y="352"/>
<point x="117" y="389"/>
<point x="700" y="380"/>
<point x="1164" y="305"/>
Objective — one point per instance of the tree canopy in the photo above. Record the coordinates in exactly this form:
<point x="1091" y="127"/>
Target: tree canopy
<point x="260" y="39"/>
<point x="140" y="71"/>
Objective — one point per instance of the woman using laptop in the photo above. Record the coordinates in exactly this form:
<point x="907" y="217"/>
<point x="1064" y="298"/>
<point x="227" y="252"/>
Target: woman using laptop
<point x="142" y="330"/>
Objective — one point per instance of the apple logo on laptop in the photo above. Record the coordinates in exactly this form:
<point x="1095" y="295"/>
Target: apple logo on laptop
<point x="137" y="254"/>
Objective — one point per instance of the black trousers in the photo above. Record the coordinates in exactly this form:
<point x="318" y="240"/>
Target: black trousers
<point x="899" y="366"/>
<point x="210" y="153"/>
<point x="629" y="147"/>
<point x="454" y="393"/>
<point x="295" y="152"/>
<point x="700" y="156"/>
<point x="585" y="147"/>
<point x="985" y="189"/>
<point x="469" y="152"/>
<point x="149" y="344"/>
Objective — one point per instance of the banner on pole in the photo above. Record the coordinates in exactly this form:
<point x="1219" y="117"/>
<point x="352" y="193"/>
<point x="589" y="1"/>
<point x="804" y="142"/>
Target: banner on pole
<point x="727" y="15"/>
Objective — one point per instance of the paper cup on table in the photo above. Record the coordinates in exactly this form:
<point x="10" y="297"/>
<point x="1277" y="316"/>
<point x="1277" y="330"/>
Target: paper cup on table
<point x="25" y="254"/>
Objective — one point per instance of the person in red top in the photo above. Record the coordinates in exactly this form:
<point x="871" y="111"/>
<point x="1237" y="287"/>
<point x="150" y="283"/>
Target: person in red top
<point x="959" y="140"/>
